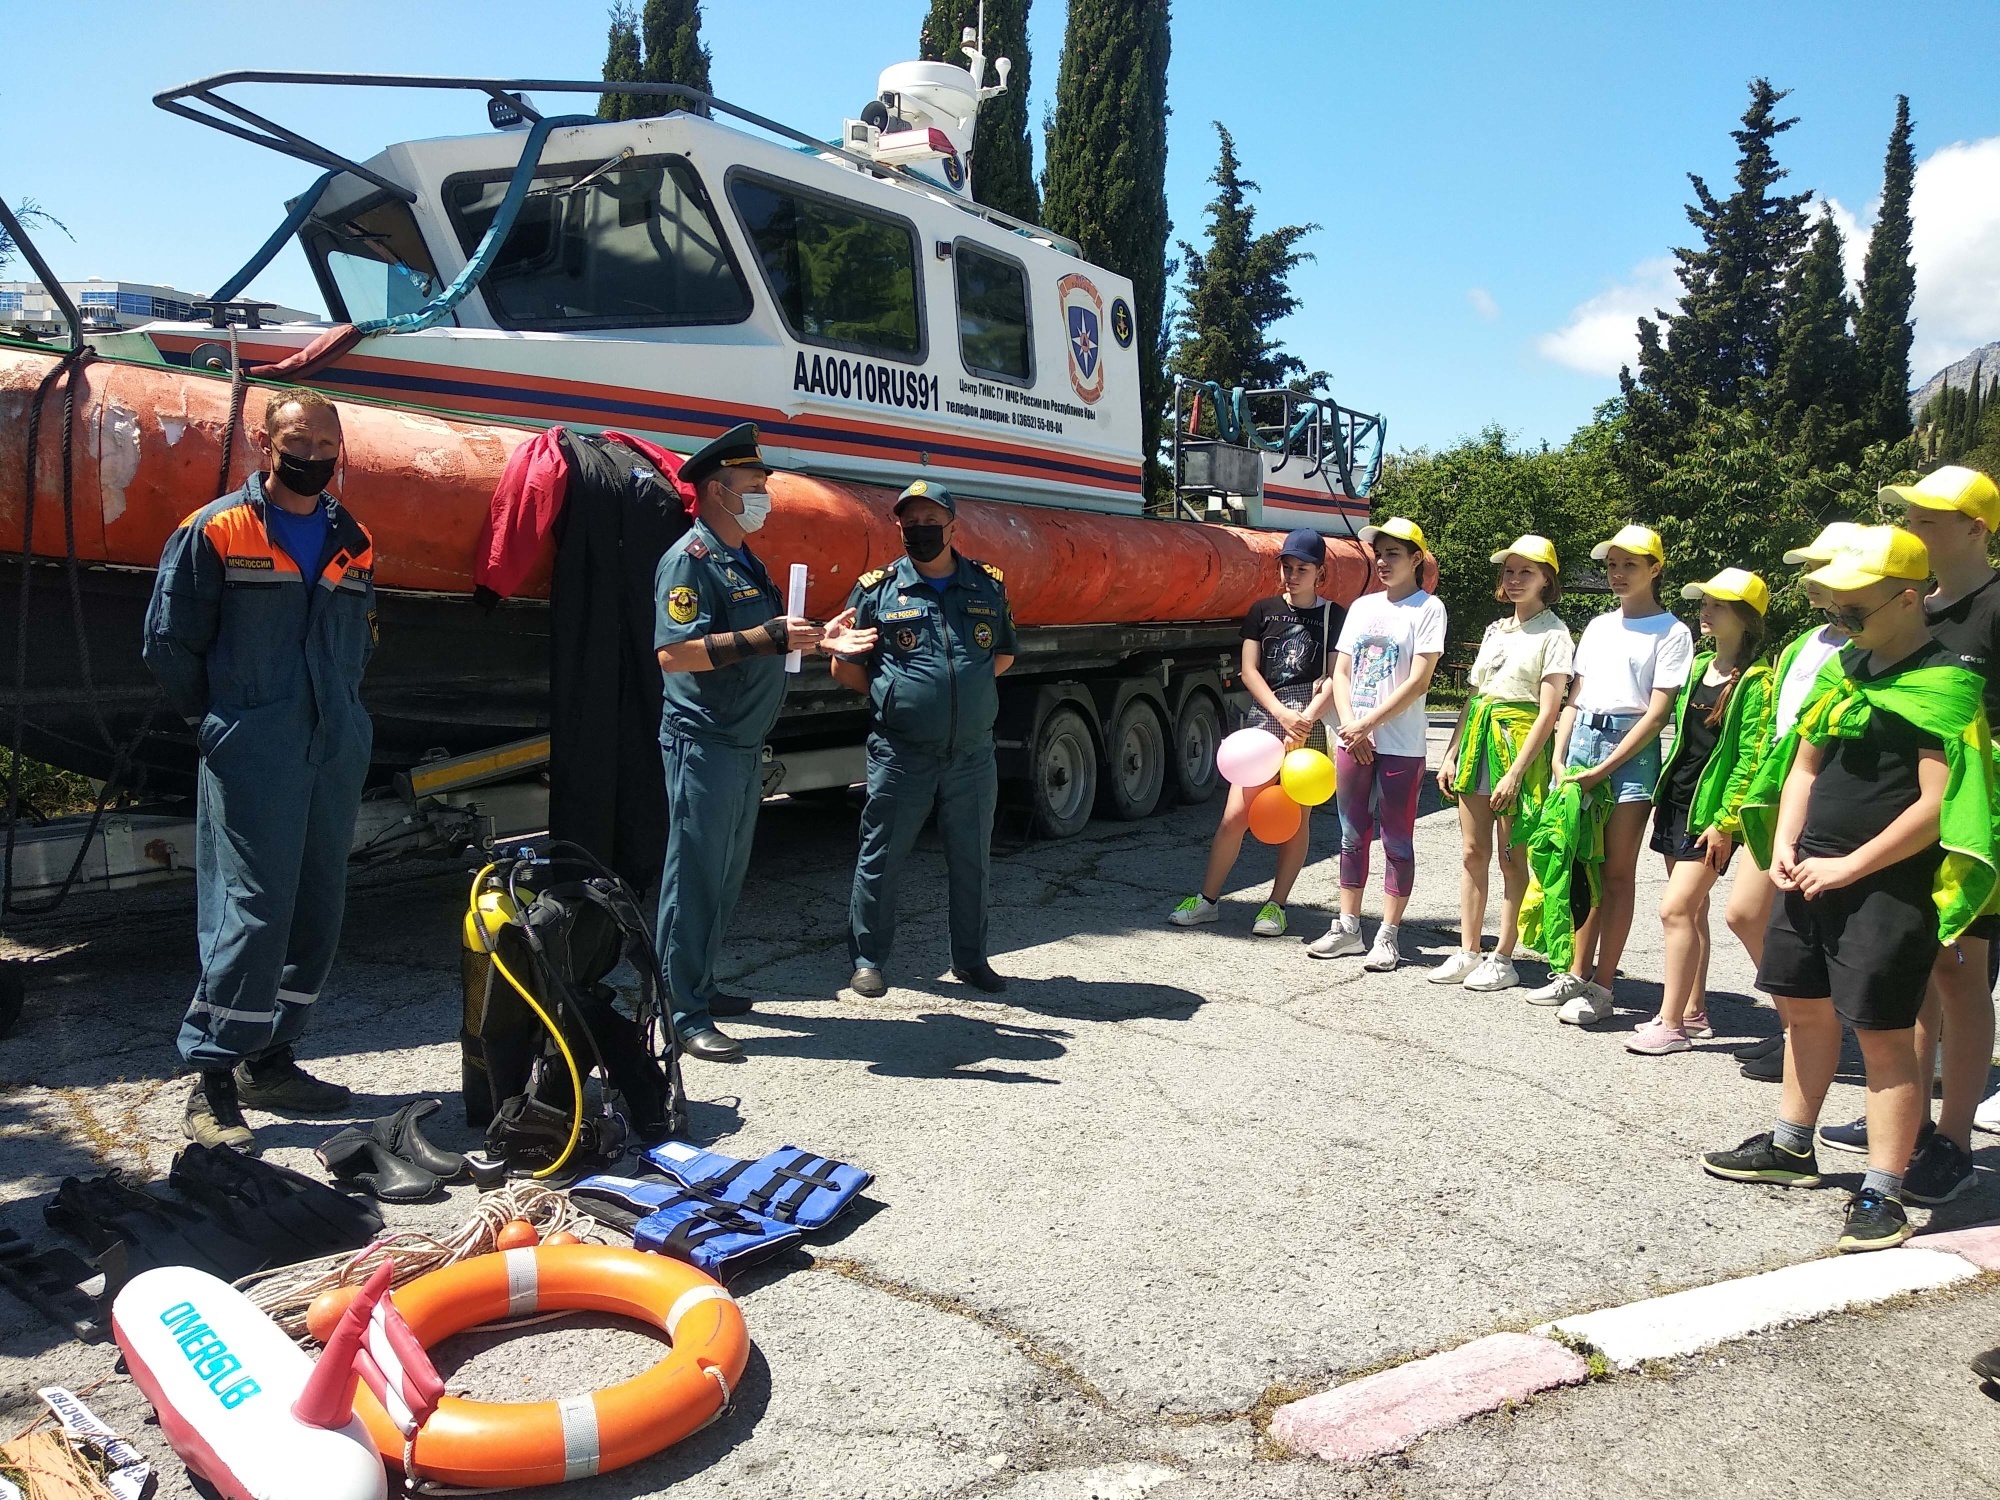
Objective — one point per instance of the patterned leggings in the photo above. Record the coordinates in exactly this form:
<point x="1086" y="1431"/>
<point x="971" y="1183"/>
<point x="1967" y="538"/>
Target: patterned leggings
<point x="1387" y="787"/>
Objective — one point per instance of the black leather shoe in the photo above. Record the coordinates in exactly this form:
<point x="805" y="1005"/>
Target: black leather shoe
<point x="868" y="982"/>
<point x="710" y="1045"/>
<point x="980" y="978"/>
<point x="1769" y="1068"/>
<point x="731" y="1005"/>
<point x="1762" y="1049"/>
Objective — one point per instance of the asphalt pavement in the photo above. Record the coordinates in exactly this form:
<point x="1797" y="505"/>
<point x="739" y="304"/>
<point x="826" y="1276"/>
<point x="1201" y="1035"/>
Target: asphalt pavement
<point x="1167" y="1182"/>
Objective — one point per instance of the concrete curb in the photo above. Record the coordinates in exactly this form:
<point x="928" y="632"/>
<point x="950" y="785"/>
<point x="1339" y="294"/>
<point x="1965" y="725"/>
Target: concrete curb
<point x="1386" y="1412"/>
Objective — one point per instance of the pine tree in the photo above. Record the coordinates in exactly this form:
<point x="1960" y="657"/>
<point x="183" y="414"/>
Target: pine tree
<point x="1003" y="160"/>
<point x="1817" y="388"/>
<point x="1721" y="346"/>
<point x="670" y="31"/>
<point x="1238" y="288"/>
<point x="1888" y="287"/>
<point x="621" y="63"/>
<point x="1105" y="183"/>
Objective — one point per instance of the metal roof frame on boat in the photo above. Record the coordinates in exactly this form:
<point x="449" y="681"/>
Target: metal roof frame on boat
<point x="509" y="93"/>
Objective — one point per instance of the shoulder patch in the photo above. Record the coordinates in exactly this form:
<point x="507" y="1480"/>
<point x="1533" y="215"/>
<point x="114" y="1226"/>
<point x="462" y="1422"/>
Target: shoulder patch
<point x="696" y="547"/>
<point x="872" y="577"/>
<point x="992" y="572"/>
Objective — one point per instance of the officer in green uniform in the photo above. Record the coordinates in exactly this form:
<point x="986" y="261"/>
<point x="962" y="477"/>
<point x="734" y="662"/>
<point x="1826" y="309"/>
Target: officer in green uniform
<point x="721" y="632"/>
<point x="943" y="632"/>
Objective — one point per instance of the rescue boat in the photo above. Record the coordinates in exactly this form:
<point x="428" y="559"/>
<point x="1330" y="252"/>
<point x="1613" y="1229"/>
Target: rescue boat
<point x="668" y="277"/>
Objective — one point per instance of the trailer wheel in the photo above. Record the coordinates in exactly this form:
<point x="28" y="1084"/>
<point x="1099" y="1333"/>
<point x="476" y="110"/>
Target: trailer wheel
<point x="1137" y="761"/>
<point x="1062" y="779"/>
<point x="13" y="995"/>
<point x="1197" y="734"/>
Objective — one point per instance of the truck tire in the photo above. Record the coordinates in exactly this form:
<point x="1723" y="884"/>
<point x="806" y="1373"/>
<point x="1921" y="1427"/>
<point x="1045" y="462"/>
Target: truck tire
<point x="1197" y="733"/>
<point x="1062" y="775"/>
<point x="1136" y="762"/>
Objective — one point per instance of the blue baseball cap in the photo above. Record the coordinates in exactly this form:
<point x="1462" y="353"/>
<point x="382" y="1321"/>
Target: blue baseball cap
<point x="1307" y="545"/>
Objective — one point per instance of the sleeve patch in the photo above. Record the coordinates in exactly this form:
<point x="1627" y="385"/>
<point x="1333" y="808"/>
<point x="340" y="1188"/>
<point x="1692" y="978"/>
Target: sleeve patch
<point x="682" y="605"/>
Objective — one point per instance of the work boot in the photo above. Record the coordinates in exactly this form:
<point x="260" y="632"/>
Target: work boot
<point x="214" y="1117"/>
<point x="276" y="1082"/>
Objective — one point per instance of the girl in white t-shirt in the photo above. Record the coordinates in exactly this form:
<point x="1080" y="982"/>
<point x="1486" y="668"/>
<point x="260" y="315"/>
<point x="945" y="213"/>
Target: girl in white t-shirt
<point x="1498" y="760"/>
<point x="1629" y="669"/>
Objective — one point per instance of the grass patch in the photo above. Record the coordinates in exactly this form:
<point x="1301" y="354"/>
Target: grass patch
<point x="47" y="792"/>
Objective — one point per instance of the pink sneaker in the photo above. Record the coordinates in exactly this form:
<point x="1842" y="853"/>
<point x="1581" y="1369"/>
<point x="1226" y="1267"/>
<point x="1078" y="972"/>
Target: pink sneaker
<point x="1698" y="1026"/>
<point x="1657" y="1040"/>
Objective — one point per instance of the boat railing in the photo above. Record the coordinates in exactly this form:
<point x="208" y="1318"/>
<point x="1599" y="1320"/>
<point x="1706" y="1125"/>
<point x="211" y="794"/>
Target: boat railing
<point x="508" y="103"/>
<point x="1221" y="437"/>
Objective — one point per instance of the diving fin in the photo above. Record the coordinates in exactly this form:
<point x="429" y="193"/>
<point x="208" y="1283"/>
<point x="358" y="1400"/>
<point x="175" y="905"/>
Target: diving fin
<point x="286" y="1212"/>
<point x="103" y="1211"/>
<point x="57" y="1283"/>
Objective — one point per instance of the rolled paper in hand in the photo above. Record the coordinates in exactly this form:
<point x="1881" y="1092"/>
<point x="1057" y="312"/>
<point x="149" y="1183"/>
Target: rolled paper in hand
<point x="795" y="605"/>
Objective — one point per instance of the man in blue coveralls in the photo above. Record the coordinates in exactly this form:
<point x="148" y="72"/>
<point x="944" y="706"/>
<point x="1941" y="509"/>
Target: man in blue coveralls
<point x="722" y="633"/>
<point x="261" y="624"/>
<point x="944" y="632"/>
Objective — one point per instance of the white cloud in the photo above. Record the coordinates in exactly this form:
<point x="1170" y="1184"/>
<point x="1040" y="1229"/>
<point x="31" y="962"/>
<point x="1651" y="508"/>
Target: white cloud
<point x="1955" y="242"/>
<point x="1483" y="303"/>
<point x="1603" y="332"/>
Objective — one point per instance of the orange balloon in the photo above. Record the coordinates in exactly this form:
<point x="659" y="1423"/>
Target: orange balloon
<point x="1275" y="817"/>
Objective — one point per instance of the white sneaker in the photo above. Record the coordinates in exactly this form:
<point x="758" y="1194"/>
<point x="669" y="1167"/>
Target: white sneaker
<point x="1270" y="921"/>
<point x="1385" y="955"/>
<point x="1591" y="1004"/>
<point x="1987" y="1116"/>
<point x="1194" y="911"/>
<point x="1496" y="972"/>
<point x="1454" y="969"/>
<point x="1340" y="940"/>
<point x="1561" y="987"/>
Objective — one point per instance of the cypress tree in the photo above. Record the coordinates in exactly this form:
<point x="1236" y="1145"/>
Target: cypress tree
<point x="1721" y="346"/>
<point x="1105" y="183"/>
<point x="674" y="53"/>
<point x="621" y="63"/>
<point x="1237" y="288"/>
<point x="1888" y="287"/>
<point x="1003" y="159"/>
<point x="1818" y="366"/>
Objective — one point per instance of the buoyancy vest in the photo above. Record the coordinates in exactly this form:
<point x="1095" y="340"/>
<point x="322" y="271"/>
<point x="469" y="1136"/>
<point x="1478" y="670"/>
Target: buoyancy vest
<point x="689" y="1224"/>
<point x="789" y="1185"/>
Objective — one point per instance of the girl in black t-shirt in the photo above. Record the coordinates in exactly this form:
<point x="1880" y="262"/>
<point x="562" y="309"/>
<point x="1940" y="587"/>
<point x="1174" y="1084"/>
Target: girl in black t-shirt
<point x="1285" y="668"/>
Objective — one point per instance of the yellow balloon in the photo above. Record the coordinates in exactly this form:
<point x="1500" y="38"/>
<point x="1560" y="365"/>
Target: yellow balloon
<point x="1307" y="777"/>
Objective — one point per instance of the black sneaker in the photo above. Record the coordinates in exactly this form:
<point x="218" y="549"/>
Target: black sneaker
<point x="1987" y="1366"/>
<point x="1875" y="1221"/>
<point x="213" y="1117"/>
<point x="1757" y="1051"/>
<point x="1761" y="1159"/>
<point x="276" y="1082"/>
<point x="1939" y="1171"/>
<point x="1853" y="1136"/>
<point x="1769" y="1068"/>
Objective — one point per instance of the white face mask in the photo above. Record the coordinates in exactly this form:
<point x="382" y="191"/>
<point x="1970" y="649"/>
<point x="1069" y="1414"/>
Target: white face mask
<point x="756" y="510"/>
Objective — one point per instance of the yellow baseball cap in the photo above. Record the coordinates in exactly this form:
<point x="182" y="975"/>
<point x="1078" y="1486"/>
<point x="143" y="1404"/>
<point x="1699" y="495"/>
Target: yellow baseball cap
<point x="1954" y="487"/>
<point x="1638" y="539"/>
<point x="1534" y="548"/>
<point x="1736" y="584"/>
<point x="1832" y="537"/>
<point x="1396" y="526"/>
<point x="1879" y="552"/>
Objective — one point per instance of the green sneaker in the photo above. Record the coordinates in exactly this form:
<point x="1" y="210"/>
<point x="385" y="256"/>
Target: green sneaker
<point x="1194" y="911"/>
<point x="1270" y="921"/>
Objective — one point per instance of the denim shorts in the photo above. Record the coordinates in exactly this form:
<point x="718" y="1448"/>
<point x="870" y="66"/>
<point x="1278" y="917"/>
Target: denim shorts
<point x="1593" y="739"/>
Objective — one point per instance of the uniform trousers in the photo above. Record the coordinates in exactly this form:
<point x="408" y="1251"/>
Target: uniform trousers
<point x="903" y="784"/>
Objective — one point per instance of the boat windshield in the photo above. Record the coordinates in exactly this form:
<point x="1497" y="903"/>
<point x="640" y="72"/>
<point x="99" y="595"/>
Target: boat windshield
<point x="370" y="260"/>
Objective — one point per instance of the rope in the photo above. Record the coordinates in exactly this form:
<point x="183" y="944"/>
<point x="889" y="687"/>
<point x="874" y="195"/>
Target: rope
<point x="287" y="1292"/>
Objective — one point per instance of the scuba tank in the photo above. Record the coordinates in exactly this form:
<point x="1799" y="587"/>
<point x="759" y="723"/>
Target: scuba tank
<point x="544" y="924"/>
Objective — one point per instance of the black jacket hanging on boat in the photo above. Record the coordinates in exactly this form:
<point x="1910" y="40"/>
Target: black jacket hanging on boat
<point x="607" y="789"/>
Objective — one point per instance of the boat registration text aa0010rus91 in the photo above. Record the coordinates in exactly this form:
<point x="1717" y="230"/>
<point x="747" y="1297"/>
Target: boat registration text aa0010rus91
<point x="864" y="380"/>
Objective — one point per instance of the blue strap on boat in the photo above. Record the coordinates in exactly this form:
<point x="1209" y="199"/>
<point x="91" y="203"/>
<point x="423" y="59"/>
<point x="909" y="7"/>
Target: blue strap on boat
<point x="687" y="1223"/>
<point x="253" y="267"/>
<point x="789" y="1185"/>
<point x="440" y="306"/>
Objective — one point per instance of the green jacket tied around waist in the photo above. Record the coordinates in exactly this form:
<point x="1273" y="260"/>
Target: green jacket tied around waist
<point x="1495" y="731"/>
<point x="1569" y="832"/>
<point x="1942" y="701"/>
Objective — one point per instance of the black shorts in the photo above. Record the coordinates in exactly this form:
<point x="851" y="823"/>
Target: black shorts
<point x="1670" y="835"/>
<point x="1987" y="930"/>
<point x="1869" y="946"/>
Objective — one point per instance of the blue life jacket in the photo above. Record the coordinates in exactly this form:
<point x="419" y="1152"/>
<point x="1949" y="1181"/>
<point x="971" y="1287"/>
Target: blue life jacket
<point x="789" y="1185"/>
<point x="686" y="1223"/>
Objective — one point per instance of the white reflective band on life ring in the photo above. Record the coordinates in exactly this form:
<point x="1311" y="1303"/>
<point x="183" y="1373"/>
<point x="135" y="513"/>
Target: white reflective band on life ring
<point x="579" y="1430"/>
<point x="523" y="1284"/>
<point x="690" y="1299"/>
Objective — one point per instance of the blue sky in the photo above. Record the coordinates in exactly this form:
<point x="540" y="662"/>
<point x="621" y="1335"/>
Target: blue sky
<point x="1498" y="184"/>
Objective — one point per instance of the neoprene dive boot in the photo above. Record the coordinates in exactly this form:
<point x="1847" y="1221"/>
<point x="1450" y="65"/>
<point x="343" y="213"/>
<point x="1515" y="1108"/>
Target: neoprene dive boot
<point x="276" y="1082"/>
<point x="401" y="1134"/>
<point x="214" y="1116"/>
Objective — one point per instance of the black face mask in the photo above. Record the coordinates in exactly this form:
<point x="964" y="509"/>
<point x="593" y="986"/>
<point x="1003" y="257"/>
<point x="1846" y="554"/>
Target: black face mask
<point x="305" y="476"/>
<point x="923" y="542"/>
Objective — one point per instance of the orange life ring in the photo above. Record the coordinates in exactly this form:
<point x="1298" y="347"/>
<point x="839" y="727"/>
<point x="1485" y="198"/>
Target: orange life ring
<point x="488" y="1444"/>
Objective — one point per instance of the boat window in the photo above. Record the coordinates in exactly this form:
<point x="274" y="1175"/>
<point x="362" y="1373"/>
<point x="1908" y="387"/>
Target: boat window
<point x="603" y="246"/>
<point x="370" y="260"/>
<point x="839" y="274"/>
<point x="993" y="329"/>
